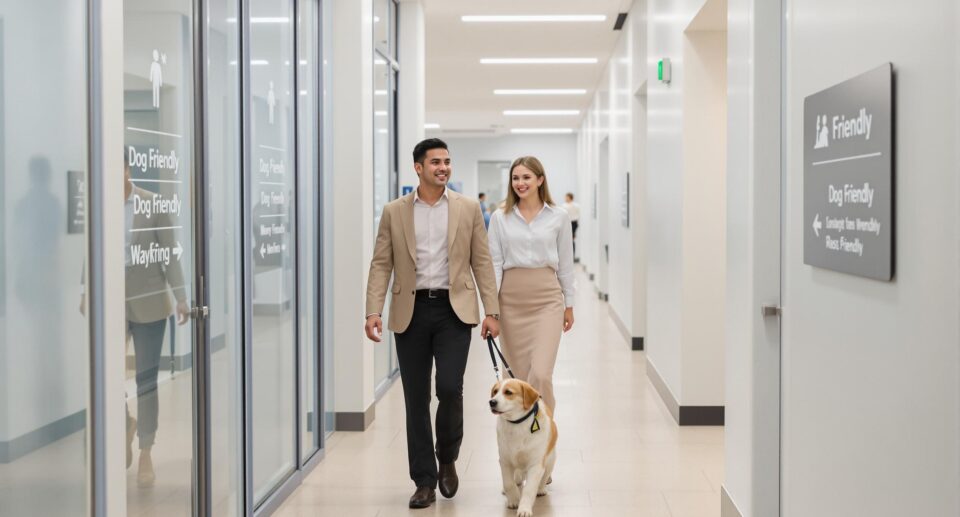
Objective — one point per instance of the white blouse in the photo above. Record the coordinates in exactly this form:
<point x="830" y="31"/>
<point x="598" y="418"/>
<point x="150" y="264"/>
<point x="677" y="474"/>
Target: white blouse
<point x="546" y="242"/>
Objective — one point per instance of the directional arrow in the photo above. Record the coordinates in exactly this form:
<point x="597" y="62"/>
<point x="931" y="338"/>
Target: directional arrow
<point x="817" y="225"/>
<point x="263" y="250"/>
<point x="178" y="251"/>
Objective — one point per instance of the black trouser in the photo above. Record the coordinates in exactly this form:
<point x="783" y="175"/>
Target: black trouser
<point x="574" y="225"/>
<point x="435" y="333"/>
<point x="147" y="343"/>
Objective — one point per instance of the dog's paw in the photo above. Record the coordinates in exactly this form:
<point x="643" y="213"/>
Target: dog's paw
<point x="513" y="504"/>
<point x="525" y="512"/>
<point x="542" y="492"/>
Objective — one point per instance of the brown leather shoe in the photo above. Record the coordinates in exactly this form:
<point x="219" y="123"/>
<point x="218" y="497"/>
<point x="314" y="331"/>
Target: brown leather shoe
<point x="423" y="497"/>
<point x="448" y="480"/>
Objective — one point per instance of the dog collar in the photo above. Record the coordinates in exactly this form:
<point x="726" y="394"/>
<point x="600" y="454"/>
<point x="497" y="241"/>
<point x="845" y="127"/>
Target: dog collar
<point x="535" y="412"/>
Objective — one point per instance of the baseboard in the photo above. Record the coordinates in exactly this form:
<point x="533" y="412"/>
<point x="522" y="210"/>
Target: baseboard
<point x="355" y="421"/>
<point x="727" y="507"/>
<point x="42" y="436"/>
<point x="636" y="343"/>
<point x="684" y="415"/>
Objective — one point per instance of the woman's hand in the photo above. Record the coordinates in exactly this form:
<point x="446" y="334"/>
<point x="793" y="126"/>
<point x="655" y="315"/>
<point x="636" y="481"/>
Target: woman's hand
<point x="568" y="319"/>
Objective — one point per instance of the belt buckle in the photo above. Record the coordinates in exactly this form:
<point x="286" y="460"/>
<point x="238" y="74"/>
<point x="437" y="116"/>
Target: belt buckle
<point x="431" y="293"/>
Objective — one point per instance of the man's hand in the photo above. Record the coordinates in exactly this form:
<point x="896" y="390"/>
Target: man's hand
<point x="374" y="327"/>
<point x="568" y="319"/>
<point x="183" y="313"/>
<point x="490" y="326"/>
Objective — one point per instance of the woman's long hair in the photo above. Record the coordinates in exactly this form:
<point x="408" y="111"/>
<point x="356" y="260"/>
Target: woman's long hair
<point x="536" y="168"/>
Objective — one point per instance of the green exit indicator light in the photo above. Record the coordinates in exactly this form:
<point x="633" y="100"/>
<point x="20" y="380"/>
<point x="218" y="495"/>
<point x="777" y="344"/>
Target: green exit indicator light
<point x="663" y="70"/>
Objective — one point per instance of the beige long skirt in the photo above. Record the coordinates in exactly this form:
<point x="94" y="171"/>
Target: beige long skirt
<point x="531" y="323"/>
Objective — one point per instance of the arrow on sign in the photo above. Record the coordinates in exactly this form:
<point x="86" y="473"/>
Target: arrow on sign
<point x="263" y="250"/>
<point x="817" y="225"/>
<point x="178" y="251"/>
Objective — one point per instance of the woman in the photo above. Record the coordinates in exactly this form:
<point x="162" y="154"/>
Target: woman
<point x="531" y="243"/>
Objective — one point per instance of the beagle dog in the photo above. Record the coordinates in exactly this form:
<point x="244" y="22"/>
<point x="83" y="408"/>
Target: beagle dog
<point x="527" y="439"/>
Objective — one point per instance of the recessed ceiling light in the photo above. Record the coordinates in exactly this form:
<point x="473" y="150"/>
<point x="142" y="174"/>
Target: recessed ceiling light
<point x="556" y="91"/>
<point x="263" y="20"/>
<point x="431" y="125"/>
<point x="526" y="18"/>
<point x="545" y="130"/>
<point x="539" y="60"/>
<point x="540" y="112"/>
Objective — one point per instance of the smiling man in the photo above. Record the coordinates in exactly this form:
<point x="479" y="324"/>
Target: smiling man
<point x="434" y="243"/>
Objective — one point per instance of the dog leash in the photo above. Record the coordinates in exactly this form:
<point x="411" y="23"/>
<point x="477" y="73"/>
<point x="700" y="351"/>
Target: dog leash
<point x="492" y="345"/>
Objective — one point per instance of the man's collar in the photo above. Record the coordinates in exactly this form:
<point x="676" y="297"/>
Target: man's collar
<point x="416" y="195"/>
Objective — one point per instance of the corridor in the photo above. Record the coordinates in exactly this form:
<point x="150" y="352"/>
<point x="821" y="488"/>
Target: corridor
<point x="620" y="451"/>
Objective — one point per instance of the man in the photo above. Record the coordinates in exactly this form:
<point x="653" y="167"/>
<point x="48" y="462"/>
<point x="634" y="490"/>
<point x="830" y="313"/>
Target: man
<point x="434" y="242"/>
<point x="573" y="210"/>
<point x="482" y="198"/>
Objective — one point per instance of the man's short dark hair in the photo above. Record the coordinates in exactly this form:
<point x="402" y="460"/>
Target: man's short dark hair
<point x="481" y="195"/>
<point x="420" y="151"/>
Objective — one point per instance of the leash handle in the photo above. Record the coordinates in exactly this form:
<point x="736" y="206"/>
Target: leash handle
<point x="492" y="345"/>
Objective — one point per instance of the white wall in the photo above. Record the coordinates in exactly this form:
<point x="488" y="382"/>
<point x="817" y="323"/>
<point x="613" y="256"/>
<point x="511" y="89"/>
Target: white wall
<point x="685" y="270"/>
<point x="704" y="216"/>
<point x="352" y="199"/>
<point x="752" y="343"/>
<point x="610" y="136"/>
<point x="558" y="153"/>
<point x="411" y="90"/>
<point x="871" y="369"/>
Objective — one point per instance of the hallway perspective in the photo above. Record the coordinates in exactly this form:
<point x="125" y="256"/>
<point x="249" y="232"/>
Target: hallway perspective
<point x="620" y="451"/>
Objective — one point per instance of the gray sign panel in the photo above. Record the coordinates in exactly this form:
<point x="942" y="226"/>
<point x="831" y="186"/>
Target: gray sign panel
<point x="76" y="200"/>
<point x="848" y="176"/>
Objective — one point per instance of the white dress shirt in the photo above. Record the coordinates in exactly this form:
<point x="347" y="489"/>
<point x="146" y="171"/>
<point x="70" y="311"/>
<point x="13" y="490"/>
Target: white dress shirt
<point x="547" y="241"/>
<point x="573" y="209"/>
<point x="430" y="223"/>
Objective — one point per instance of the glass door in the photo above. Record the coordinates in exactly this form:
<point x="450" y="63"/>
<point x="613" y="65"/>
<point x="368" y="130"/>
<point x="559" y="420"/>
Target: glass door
<point x="160" y="257"/>
<point x="273" y="252"/>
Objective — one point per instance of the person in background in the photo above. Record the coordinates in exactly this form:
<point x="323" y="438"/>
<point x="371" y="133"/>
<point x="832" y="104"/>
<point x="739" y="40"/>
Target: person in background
<point x="483" y="208"/>
<point x="573" y="210"/>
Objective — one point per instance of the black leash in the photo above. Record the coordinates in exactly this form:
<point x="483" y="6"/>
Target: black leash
<point x="492" y="345"/>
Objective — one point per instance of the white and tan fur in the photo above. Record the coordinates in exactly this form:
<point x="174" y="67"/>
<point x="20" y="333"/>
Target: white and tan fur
<point x="526" y="458"/>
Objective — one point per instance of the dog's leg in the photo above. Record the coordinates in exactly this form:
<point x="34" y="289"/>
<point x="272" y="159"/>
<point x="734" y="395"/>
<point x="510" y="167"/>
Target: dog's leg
<point x="534" y="477"/>
<point x="548" y="471"/>
<point x="510" y="488"/>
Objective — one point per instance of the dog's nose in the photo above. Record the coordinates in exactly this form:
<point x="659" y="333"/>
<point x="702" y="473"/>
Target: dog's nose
<point x="493" y="402"/>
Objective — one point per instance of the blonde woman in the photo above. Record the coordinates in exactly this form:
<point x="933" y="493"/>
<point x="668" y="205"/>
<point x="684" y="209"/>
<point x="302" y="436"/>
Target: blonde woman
<point x="531" y="243"/>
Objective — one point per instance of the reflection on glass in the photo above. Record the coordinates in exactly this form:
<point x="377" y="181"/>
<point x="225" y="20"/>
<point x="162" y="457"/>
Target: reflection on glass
<point x="158" y="151"/>
<point x="43" y="336"/>
<point x="382" y="145"/>
<point x="309" y="247"/>
<point x="224" y="276"/>
<point x="273" y="250"/>
<point x="326" y="209"/>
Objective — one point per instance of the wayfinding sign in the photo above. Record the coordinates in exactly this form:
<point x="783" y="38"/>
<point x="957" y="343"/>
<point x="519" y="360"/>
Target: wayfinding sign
<point x="848" y="176"/>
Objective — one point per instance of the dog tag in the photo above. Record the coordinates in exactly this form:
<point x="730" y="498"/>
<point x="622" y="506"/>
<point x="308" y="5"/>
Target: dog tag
<point x="535" y="426"/>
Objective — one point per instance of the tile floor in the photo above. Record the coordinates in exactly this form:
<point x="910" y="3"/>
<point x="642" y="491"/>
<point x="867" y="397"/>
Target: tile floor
<point x="620" y="452"/>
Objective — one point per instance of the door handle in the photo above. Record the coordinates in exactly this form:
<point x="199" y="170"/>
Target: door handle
<point x="200" y="312"/>
<point x="770" y="310"/>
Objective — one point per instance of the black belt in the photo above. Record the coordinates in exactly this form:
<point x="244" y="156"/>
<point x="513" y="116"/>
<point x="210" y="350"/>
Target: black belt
<point x="433" y="293"/>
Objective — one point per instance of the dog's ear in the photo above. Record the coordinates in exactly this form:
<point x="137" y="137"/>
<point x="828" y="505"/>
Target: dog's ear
<point x="530" y="395"/>
<point x="495" y="389"/>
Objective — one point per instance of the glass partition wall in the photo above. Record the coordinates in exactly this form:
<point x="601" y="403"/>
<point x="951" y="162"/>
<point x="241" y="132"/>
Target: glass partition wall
<point x="223" y="153"/>
<point x="385" y="180"/>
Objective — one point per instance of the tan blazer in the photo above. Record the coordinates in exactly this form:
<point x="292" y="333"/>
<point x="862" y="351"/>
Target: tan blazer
<point x="396" y="252"/>
<point x="148" y="288"/>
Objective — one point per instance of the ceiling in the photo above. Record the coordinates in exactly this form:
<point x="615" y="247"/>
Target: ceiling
<point x="459" y="92"/>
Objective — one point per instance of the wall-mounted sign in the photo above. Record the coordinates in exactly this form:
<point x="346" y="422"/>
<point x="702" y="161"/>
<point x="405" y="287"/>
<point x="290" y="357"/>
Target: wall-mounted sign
<point x="848" y="176"/>
<point x="406" y="190"/>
